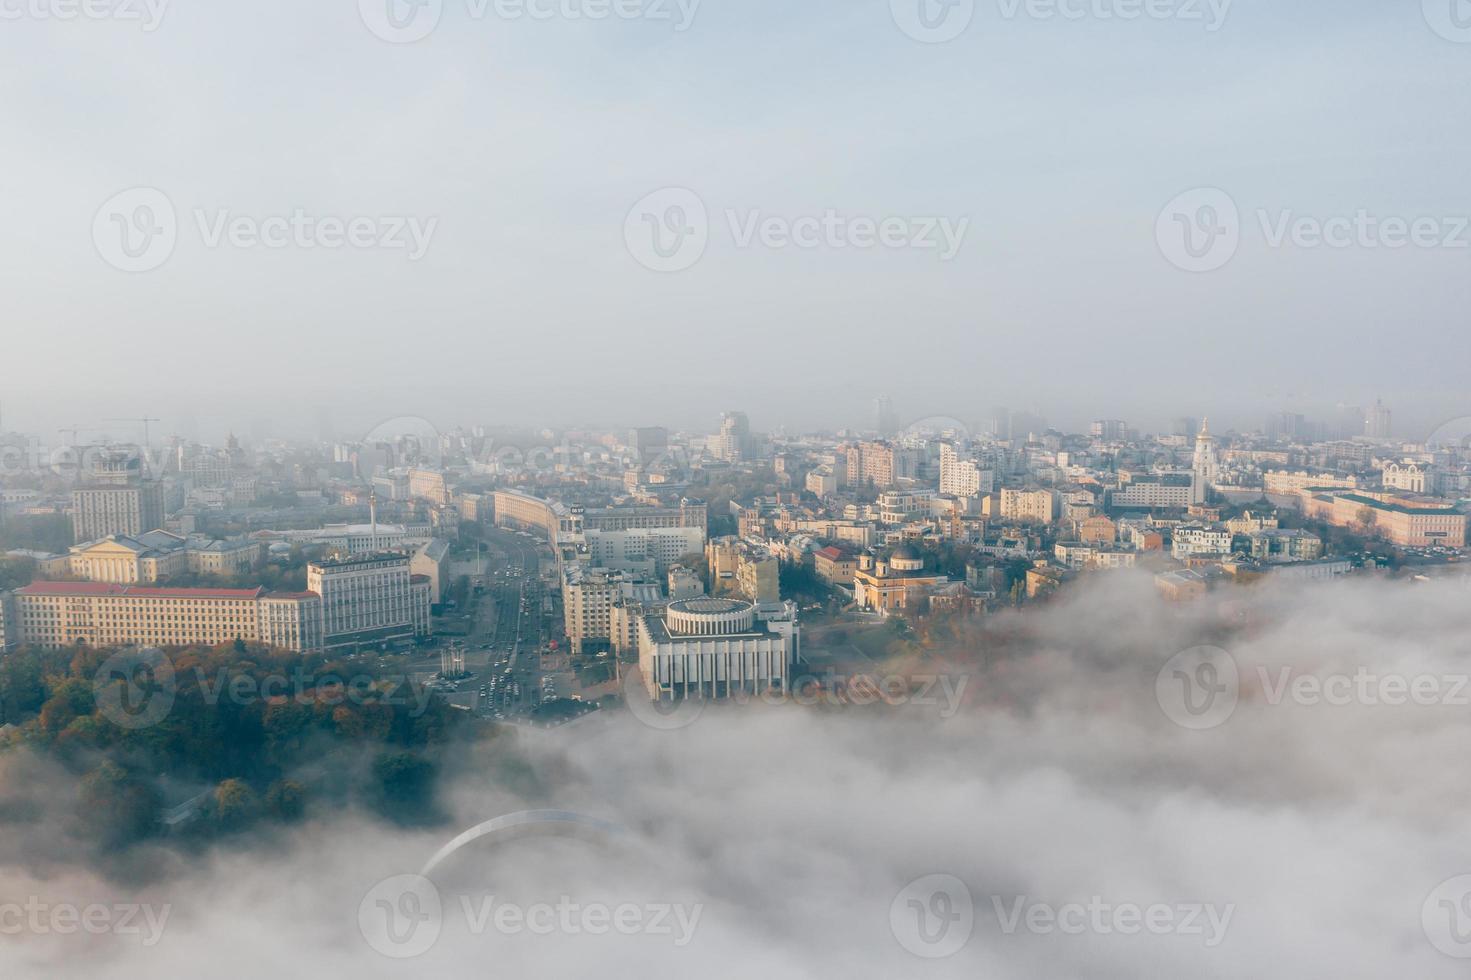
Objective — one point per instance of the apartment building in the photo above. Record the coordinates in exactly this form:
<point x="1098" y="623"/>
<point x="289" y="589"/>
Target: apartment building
<point x="963" y="475"/>
<point x="1197" y="540"/>
<point x="738" y="568"/>
<point x="635" y="547"/>
<point x="370" y="599"/>
<point x="99" y="614"/>
<point x="1033" y="506"/>
<point x="127" y="508"/>
<point x="589" y="597"/>
<point x="872" y="463"/>
<point x="834" y="567"/>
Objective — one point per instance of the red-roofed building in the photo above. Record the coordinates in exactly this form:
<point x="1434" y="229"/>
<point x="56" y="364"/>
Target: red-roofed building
<point x="834" y="566"/>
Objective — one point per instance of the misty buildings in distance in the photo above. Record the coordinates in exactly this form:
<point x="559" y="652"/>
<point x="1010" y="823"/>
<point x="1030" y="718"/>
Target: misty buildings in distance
<point x="698" y="559"/>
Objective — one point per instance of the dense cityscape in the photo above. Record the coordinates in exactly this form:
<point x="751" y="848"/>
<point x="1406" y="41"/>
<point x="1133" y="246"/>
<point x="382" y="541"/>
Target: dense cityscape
<point x="553" y="568"/>
<point x="667" y="489"/>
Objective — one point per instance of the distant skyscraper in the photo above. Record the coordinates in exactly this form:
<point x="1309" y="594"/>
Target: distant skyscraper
<point x="1348" y="422"/>
<point x="1109" y="430"/>
<point x="733" y="444"/>
<point x="1286" y="425"/>
<point x="650" y="443"/>
<point x="1185" y="426"/>
<point x="1379" y="425"/>
<point x="886" y="419"/>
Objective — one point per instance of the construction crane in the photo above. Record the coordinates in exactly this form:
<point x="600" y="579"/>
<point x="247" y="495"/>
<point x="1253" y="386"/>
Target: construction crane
<point x="74" y="445"/>
<point x="146" y="443"/>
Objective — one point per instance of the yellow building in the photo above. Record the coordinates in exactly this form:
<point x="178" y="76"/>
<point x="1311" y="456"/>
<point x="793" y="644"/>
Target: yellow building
<point x="896" y="584"/>
<point x="1408" y="521"/>
<point x="101" y="614"/>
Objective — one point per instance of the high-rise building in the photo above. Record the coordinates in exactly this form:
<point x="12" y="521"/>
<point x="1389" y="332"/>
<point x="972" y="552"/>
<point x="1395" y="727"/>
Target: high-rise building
<point x="873" y="463"/>
<point x="1379" y="424"/>
<point x="886" y="419"/>
<point x="1109" y="430"/>
<point x="369" y="599"/>
<point x="733" y="443"/>
<point x="962" y="474"/>
<point x="649" y="443"/>
<point x="118" y="500"/>
<point x="1287" y="426"/>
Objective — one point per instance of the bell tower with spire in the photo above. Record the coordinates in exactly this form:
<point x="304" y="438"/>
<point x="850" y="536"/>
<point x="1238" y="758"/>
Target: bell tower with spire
<point x="1207" y="465"/>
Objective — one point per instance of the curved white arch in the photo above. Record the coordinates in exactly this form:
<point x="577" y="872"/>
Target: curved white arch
<point x="528" y="824"/>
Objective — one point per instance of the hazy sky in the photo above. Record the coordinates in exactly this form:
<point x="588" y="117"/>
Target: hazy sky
<point x="527" y="142"/>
